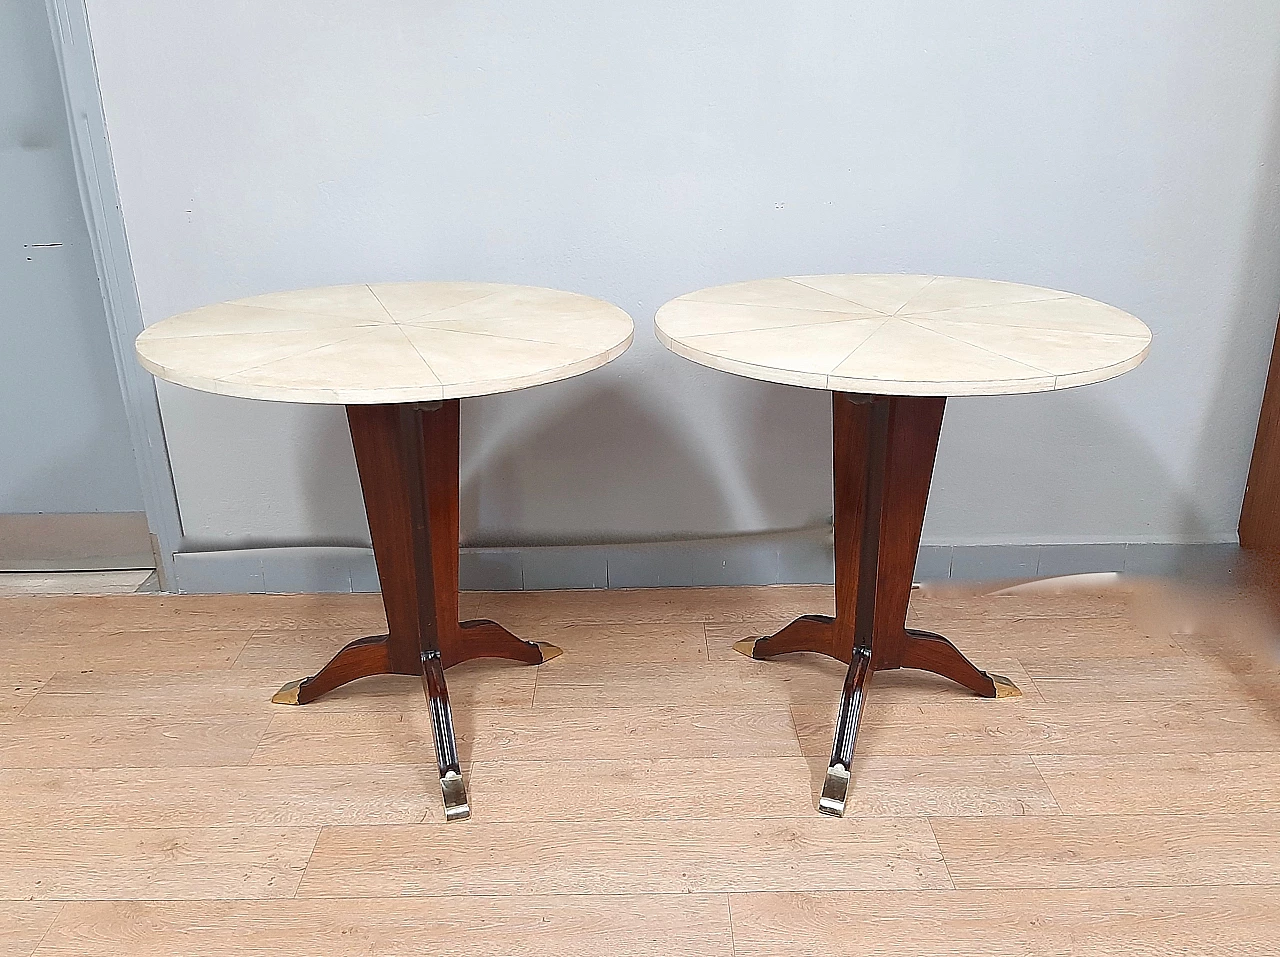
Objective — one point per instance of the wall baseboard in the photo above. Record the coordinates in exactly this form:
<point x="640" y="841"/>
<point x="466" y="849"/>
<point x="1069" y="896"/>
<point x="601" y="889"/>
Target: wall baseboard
<point x="790" y="558"/>
<point x="75" y="541"/>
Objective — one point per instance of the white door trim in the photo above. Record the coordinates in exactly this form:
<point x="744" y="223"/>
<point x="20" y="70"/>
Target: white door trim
<point x="69" y="21"/>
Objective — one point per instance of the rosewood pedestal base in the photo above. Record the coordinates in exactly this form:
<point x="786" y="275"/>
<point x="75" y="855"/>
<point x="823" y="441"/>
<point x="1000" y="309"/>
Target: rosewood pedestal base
<point x="883" y="453"/>
<point x="407" y="456"/>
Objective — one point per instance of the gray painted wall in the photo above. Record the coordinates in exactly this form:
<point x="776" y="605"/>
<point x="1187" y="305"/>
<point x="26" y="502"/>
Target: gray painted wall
<point x="1123" y="150"/>
<point x="64" y="440"/>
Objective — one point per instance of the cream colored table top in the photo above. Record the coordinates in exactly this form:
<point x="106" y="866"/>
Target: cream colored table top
<point x="390" y="342"/>
<point x="904" y="335"/>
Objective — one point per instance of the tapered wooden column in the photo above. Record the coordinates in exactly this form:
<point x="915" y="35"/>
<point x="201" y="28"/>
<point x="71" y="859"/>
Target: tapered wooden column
<point x="407" y="456"/>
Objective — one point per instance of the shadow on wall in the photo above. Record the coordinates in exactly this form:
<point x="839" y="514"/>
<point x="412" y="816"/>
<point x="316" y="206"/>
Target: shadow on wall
<point x="329" y="489"/>
<point x="556" y="466"/>
<point x="989" y="454"/>
<point x="603" y="462"/>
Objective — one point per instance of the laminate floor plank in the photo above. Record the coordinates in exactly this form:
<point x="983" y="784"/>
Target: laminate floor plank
<point x="640" y="789"/>
<point x="970" y="726"/>
<point x="302" y="737"/>
<point x="193" y="797"/>
<point x="1113" y="603"/>
<point x="742" y="788"/>
<point x="523" y="611"/>
<point x="1092" y="922"/>
<point x="594" y="684"/>
<point x="1218" y="783"/>
<point x="1131" y="850"/>
<point x="1130" y="679"/>
<point x="152" y="864"/>
<point x="174" y="613"/>
<point x="131" y="741"/>
<point x="142" y="652"/>
<point x="941" y="785"/>
<point x="1047" y="637"/>
<point x="684" y="925"/>
<point x="615" y="643"/>
<point x="489" y="684"/>
<point x="632" y="857"/>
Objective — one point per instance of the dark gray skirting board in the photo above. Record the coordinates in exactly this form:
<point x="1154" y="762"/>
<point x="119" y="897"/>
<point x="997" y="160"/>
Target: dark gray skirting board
<point x="792" y="558"/>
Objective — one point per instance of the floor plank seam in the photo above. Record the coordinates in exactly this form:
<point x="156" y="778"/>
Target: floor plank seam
<point x="243" y="648"/>
<point x="48" y="930"/>
<point x="303" y="876"/>
<point x="795" y="730"/>
<point x="728" y="903"/>
<point x="262" y="736"/>
<point x="674" y="894"/>
<point x="1062" y="888"/>
<point x="798" y="816"/>
<point x="1141" y="754"/>
<point x="22" y="712"/>
<point x="942" y="856"/>
<point x="1047" y="786"/>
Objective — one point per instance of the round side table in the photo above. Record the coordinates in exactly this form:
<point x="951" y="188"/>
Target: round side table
<point x="891" y="349"/>
<point x="399" y="356"/>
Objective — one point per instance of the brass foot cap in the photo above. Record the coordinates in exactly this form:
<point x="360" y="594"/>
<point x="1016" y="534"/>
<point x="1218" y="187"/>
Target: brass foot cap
<point x="289" y="693"/>
<point x="549" y="650"/>
<point x="746" y="646"/>
<point x="1004" y="687"/>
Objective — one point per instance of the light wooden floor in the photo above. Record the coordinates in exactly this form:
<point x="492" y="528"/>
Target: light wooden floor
<point x="650" y="792"/>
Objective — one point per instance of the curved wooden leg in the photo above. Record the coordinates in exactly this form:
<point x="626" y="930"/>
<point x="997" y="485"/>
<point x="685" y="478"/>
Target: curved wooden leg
<point x="856" y="683"/>
<point x="806" y="633"/>
<point x="481" y="638"/>
<point x="930" y="652"/>
<point x="358" y="659"/>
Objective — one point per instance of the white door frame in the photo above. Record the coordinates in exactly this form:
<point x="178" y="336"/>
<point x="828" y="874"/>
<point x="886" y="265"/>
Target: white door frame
<point x="69" y="21"/>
